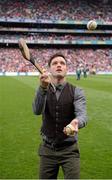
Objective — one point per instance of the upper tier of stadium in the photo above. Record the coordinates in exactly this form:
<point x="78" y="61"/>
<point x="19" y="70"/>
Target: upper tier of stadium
<point x="57" y="10"/>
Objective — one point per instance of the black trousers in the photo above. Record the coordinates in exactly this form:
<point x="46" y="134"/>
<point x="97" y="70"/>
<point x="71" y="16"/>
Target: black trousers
<point x="51" y="159"/>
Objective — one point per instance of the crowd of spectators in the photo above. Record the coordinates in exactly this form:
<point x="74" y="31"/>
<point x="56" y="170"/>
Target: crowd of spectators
<point x="11" y="60"/>
<point x="56" y="10"/>
<point x="50" y="37"/>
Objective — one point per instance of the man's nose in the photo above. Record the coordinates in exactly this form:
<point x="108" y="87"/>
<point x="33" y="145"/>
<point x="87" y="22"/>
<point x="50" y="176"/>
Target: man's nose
<point x="59" y="64"/>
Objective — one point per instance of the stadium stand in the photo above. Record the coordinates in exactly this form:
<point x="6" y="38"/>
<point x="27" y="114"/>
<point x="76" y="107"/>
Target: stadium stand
<point x="50" y="26"/>
<point x="101" y="59"/>
<point x="56" y="10"/>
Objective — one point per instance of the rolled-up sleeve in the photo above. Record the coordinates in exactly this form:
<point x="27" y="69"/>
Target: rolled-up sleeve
<point x="39" y="102"/>
<point x="80" y="107"/>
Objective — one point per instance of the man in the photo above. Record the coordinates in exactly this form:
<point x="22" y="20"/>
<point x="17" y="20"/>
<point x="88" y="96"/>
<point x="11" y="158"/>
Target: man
<point x="60" y="104"/>
<point x="78" y="73"/>
<point x="84" y="70"/>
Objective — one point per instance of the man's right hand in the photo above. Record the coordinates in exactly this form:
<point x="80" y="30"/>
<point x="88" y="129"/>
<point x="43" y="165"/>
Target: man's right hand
<point x="44" y="80"/>
<point x="72" y="128"/>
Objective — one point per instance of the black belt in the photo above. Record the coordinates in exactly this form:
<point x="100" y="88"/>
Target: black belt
<point x="56" y="146"/>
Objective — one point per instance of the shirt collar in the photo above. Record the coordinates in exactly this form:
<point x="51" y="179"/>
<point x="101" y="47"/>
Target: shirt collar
<point x="60" y="86"/>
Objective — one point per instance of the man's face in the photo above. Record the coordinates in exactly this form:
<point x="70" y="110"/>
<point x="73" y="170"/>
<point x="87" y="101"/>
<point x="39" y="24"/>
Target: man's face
<point x="58" y="67"/>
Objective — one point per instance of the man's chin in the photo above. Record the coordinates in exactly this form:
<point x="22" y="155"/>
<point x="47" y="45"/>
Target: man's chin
<point x="60" y="76"/>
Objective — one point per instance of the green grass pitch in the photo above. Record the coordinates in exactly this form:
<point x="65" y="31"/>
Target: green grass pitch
<point x="20" y="136"/>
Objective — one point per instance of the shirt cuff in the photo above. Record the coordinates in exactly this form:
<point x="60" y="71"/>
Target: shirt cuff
<point x="43" y="90"/>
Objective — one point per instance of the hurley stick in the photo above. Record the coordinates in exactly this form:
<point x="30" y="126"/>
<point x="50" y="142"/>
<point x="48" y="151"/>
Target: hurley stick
<point x="26" y="54"/>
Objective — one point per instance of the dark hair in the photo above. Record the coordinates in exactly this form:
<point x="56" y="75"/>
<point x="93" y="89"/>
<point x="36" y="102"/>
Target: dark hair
<point x="56" y="55"/>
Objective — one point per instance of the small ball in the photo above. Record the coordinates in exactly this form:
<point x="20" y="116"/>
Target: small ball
<point x="91" y="25"/>
<point x="70" y="130"/>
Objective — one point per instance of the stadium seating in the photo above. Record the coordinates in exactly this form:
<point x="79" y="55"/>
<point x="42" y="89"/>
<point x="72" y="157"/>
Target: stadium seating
<point x="61" y="27"/>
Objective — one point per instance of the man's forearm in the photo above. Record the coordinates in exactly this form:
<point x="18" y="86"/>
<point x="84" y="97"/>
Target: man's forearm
<point x="39" y="101"/>
<point x="80" y="107"/>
